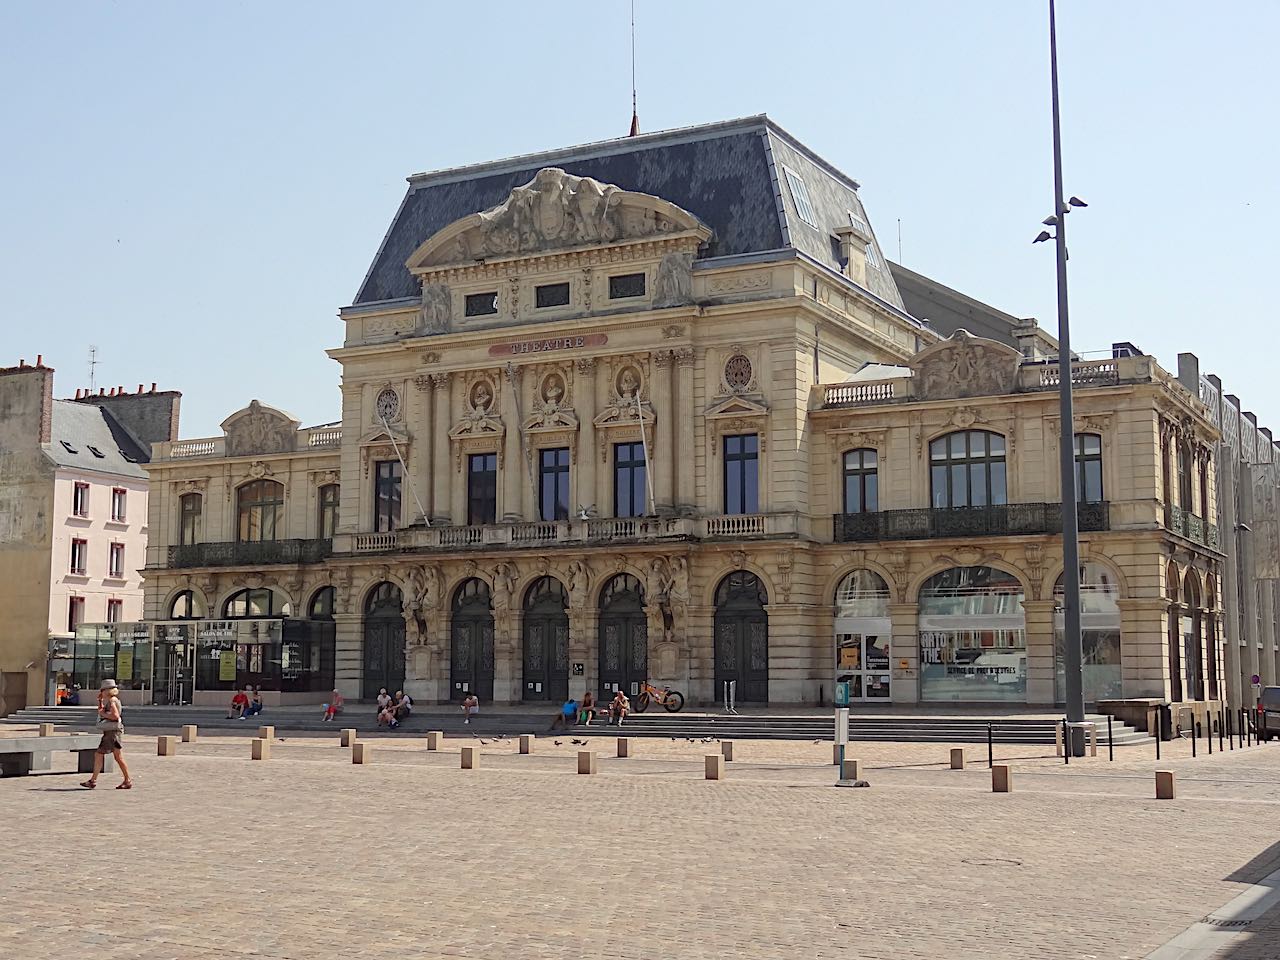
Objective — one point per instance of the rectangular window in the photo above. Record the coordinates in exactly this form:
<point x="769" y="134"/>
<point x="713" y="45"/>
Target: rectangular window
<point x="115" y="611"/>
<point x="1088" y="468"/>
<point x="482" y="489"/>
<point x="742" y="473"/>
<point x="115" y="561"/>
<point x="629" y="480"/>
<point x="328" y="520"/>
<point x="553" y="483"/>
<point x="75" y="613"/>
<point x="117" y="504"/>
<point x="80" y="500"/>
<point x="189" y="531"/>
<point x="800" y="197"/>
<point x="626" y="285"/>
<point x="79" y="556"/>
<point x="552" y="295"/>
<point x="386" y="496"/>
<point x="481" y="304"/>
<point x="861" y="482"/>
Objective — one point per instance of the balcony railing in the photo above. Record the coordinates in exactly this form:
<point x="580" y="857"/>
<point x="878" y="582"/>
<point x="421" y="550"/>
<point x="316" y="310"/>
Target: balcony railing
<point x="1003" y="520"/>
<point x="311" y="438"/>
<point x="1186" y="524"/>
<point x="249" y="554"/>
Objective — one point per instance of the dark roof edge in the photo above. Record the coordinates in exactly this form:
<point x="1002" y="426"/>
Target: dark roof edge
<point x="600" y="148"/>
<point x="385" y="237"/>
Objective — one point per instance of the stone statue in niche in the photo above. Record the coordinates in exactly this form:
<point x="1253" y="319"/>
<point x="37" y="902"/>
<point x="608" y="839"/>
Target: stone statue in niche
<point x="436" y="313"/>
<point x="674" y="284"/>
<point x="579" y="583"/>
<point x="259" y="430"/>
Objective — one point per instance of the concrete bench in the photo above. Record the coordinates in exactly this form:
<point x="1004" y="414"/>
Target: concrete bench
<point x="20" y="756"/>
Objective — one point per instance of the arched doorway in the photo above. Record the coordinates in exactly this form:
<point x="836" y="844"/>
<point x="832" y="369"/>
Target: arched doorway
<point x="973" y="636"/>
<point x="383" y="641"/>
<point x="742" y="637"/>
<point x="546" y="641"/>
<point x="863" y="630"/>
<point x="471" y="642"/>
<point x="1192" y="626"/>
<point x="1099" y="635"/>
<point x="624" y="637"/>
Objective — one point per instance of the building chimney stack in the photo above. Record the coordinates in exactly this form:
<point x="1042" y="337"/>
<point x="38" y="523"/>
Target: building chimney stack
<point x="39" y="359"/>
<point x="153" y="386"/>
<point x="21" y="363"/>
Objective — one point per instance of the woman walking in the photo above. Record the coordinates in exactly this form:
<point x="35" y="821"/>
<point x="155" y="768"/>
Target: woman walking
<point x="111" y="723"/>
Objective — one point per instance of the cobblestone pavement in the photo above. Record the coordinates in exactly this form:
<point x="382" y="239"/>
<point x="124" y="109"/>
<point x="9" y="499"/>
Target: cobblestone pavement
<point x="306" y="855"/>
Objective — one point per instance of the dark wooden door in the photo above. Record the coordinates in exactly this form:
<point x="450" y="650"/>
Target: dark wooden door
<point x="471" y="655"/>
<point x="383" y="656"/>
<point x="546" y="656"/>
<point x="742" y="638"/>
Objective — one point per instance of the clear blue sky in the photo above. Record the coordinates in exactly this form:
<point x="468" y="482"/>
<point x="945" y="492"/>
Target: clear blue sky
<point x="197" y="188"/>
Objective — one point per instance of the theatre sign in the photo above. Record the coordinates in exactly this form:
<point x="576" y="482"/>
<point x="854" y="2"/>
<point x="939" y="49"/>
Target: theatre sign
<point x="580" y="342"/>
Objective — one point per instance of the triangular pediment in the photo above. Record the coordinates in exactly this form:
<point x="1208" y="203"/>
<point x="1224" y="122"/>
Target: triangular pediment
<point x="555" y="211"/>
<point x="737" y="406"/>
<point x="380" y="434"/>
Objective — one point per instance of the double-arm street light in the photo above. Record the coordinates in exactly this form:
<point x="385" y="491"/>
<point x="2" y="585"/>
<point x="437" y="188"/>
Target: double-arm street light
<point x="1072" y="648"/>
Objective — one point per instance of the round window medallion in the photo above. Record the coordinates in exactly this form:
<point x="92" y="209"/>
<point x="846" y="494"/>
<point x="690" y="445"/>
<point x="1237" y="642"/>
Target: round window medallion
<point x="387" y="404"/>
<point x="737" y="372"/>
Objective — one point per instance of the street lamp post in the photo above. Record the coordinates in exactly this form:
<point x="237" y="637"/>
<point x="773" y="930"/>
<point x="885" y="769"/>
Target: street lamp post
<point x="1072" y="647"/>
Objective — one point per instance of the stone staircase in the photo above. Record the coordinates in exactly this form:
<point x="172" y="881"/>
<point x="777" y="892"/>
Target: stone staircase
<point x="527" y="718"/>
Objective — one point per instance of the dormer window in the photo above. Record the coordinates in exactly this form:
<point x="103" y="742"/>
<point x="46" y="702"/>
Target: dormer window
<point x="870" y="251"/>
<point x="626" y="285"/>
<point x="552" y="295"/>
<point x="800" y="197"/>
<point x="481" y="304"/>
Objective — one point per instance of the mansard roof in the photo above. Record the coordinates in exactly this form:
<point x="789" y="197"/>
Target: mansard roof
<point x="729" y="175"/>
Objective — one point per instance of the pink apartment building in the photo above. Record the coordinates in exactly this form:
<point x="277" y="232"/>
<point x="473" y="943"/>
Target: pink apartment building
<point x="73" y="517"/>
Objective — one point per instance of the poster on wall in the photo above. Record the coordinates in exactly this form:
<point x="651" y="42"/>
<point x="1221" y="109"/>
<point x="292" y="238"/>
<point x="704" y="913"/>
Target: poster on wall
<point x="226" y="665"/>
<point x="124" y="665"/>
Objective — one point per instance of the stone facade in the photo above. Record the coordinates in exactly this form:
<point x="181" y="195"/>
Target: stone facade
<point x="575" y="319"/>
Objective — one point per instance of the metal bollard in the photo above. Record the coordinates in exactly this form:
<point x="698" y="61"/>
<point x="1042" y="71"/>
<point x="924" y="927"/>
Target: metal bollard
<point x="991" y="750"/>
<point x="957" y="758"/>
<point x="1001" y="779"/>
<point x="1208" y="731"/>
<point x="526" y="743"/>
<point x="1066" y="743"/>
<point x="361" y="752"/>
<point x="166" y="746"/>
<point x="1111" y="743"/>
<point x="189" y="733"/>
<point x="1221" y="718"/>
<point x="1165" y="785"/>
<point x="347" y="736"/>
<point x="1193" y="741"/>
<point x="714" y="766"/>
<point x="586" y="761"/>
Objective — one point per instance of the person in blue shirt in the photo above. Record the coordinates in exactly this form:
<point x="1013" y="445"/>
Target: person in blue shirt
<point x="567" y="715"/>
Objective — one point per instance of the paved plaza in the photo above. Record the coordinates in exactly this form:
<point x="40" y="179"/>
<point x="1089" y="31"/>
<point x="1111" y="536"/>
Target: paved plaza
<point x="307" y="855"/>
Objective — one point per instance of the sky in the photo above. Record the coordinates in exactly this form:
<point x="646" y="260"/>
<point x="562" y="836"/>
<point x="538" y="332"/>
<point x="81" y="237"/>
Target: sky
<point x="197" y="189"/>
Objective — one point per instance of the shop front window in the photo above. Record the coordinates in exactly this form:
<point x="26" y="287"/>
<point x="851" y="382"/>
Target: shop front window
<point x="1099" y="635"/>
<point x="863" y="630"/>
<point x="973" y="642"/>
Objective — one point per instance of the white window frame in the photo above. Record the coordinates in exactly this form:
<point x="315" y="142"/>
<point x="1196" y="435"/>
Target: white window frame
<point x="115" y="561"/>
<point x="118" y="500"/>
<point x="77" y="488"/>
<point x="80" y="550"/>
<point x="800" y="196"/>
<point x="117" y="606"/>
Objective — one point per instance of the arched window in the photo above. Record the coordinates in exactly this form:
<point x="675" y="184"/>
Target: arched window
<point x="861" y="482"/>
<point x="191" y="506"/>
<point x="967" y="469"/>
<point x="546" y="593"/>
<point x="973" y="643"/>
<point x="187" y="606"/>
<point x="384" y="601"/>
<point x="473" y="593"/>
<point x="254" y="602"/>
<point x="327" y="497"/>
<point x="1099" y="634"/>
<point x="322" y="604"/>
<point x="863" y="593"/>
<point x="260" y="508"/>
<point x="1089" y="468"/>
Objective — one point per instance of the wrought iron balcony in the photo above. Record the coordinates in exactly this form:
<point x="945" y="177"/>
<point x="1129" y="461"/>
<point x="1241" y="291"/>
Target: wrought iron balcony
<point x="249" y="554"/>
<point x="1186" y="524"/>
<point x="1002" y="520"/>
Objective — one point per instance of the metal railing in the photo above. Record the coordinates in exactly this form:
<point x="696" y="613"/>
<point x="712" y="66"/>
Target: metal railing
<point x="1001" y="520"/>
<point x="235" y="554"/>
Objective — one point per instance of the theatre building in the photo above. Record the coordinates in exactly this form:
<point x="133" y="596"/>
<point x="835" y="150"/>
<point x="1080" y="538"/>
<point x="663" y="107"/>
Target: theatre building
<point x="654" y="408"/>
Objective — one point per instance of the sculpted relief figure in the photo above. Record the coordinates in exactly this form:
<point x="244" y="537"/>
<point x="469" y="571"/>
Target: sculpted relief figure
<point x="258" y="431"/>
<point x="579" y="584"/>
<point x="674" y="284"/>
<point x="552" y="209"/>
<point x="436" y="312"/>
<point x="965" y="366"/>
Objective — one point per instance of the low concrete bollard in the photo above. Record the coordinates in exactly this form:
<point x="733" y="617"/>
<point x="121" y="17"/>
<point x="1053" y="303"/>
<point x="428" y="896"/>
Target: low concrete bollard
<point x="624" y="746"/>
<point x="260" y="749"/>
<point x="526" y="743"/>
<point x="1001" y="778"/>
<point x="189" y="733"/>
<point x="166" y="746"/>
<point x="46" y="729"/>
<point x="361" y="752"/>
<point x="586" y="761"/>
<point x="347" y="737"/>
<point x="470" y="757"/>
<point x="851" y="769"/>
<point x="433" y="739"/>
<point x="726" y="750"/>
<point x="1166" y="785"/>
<point x="835" y="754"/>
<point x="267" y="733"/>
<point x="714" y="766"/>
<point x="957" y="758"/>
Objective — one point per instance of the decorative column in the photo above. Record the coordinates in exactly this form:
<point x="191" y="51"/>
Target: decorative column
<point x="664" y="430"/>
<point x="686" y="496"/>
<point x="585" y="402"/>
<point x="440" y="498"/>
<point x="421" y="434"/>
<point x="604" y="477"/>
<point x="514" y="473"/>
<point x="904" y="653"/>
<point x="1041" y="656"/>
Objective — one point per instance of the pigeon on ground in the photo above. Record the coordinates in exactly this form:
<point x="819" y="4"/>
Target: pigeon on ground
<point x="482" y="740"/>
<point x="578" y="742"/>
<point x="708" y="739"/>
<point x="556" y="742"/>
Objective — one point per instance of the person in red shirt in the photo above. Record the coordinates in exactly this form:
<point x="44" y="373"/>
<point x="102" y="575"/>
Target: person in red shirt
<point x="239" y="704"/>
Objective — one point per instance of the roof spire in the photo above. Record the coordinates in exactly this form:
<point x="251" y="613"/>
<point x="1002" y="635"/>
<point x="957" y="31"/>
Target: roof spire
<point x="635" y="116"/>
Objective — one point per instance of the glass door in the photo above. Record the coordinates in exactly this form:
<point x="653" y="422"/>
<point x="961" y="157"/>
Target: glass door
<point x="862" y="658"/>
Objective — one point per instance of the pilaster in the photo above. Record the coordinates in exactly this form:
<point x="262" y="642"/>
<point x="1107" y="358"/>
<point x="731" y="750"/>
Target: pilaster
<point x="904" y="648"/>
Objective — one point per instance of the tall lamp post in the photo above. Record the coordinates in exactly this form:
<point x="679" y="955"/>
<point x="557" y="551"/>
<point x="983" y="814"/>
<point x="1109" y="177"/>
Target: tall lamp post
<point x="1072" y="647"/>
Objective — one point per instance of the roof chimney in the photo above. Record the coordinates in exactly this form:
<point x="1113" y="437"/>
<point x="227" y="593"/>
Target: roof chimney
<point x="77" y="393"/>
<point x="102" y="391"/>
<point x="39" y="359"/>
<point x="21" y="363"/>
<point x="153" y="386"/>
<point x="139" y="388"/>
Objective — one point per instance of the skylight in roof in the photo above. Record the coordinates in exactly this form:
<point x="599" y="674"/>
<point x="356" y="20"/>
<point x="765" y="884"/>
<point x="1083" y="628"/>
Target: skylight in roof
<point x="859" y="223"/>
<point x="800" y="197"/>
<point x="97" y="453"/>
<point x="872" y="259"/>
<point x="68" y="447"/>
